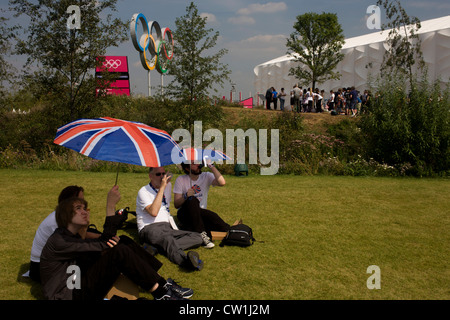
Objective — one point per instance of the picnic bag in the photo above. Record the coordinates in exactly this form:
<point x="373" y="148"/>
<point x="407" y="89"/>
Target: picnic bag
<point x="238" y="235"/>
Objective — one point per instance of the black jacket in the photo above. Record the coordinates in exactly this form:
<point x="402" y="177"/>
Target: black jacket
<point x="63" y="249"/>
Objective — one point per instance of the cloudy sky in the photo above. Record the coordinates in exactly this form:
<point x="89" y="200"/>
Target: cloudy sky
<point x="253" y="31"/>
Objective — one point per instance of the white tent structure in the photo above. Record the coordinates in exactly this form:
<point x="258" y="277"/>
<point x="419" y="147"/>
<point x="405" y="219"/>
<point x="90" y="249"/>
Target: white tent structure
<point x="358" y="53"/>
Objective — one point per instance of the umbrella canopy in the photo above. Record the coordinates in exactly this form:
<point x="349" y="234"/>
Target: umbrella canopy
<point x="119" y="141"/>
<point x="197" y="154"/>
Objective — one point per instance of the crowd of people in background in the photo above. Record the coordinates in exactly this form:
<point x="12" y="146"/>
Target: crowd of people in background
<point x="344" y="101"/>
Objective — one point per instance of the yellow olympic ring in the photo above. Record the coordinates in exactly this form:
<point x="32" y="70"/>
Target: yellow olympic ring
<point x="153" y="59"/>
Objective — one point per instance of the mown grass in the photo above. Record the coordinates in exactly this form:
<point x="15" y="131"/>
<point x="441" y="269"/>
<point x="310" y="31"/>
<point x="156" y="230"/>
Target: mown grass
<point x="316" y="235"/>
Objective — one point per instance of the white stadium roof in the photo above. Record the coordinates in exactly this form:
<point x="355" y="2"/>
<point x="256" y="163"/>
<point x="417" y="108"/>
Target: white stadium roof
<point x="358" y="53"/>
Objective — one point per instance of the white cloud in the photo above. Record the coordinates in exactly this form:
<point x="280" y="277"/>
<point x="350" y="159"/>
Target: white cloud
<point x="266" y="39"/>
<point x="210" y="18"/>
<point x="269" y="7"/>
<point x="242" y="20"/>
<point x="258" y="48"/>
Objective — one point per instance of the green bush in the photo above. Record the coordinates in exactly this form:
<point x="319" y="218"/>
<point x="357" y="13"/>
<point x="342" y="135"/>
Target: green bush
<point x="409" y="126"/>
<point x="352" y="141"/>
<point x="400" y="134"/>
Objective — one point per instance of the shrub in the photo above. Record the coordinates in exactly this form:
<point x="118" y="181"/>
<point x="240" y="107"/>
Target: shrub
<point x="409" y="126"/>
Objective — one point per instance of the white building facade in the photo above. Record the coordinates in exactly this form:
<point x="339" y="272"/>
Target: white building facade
<point x="360" y="52"/>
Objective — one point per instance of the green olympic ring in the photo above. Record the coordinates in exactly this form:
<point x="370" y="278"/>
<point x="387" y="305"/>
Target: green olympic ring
<point x="160" y="50"/>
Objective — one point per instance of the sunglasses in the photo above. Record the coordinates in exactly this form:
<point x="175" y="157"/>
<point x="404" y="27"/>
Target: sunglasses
<point x="158" y="174"/>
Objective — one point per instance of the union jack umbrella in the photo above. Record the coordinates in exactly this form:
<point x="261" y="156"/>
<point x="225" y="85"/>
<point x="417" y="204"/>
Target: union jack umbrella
<point x="198" y="155"/>
<point x="119" y="141"/>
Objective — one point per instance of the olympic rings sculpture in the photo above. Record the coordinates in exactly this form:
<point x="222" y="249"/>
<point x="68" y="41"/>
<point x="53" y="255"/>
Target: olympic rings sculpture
<point x="155" y="52"/>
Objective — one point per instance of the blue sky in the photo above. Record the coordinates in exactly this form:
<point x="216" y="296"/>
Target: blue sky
<point x="253" y="31"/>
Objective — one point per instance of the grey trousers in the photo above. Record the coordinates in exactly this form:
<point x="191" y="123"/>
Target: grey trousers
<point x="172" y="242"/>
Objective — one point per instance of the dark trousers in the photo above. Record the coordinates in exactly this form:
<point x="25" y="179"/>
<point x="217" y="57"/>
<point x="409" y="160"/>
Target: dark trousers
<point x="35" y="271"/>
<point x="268" y="101"/>
<point x="126" y="257"/>
<point x="194" y="218"/>
<point x="297" y="104"/>
<point x="319" y="105"/>
<point x="170" y="242"/>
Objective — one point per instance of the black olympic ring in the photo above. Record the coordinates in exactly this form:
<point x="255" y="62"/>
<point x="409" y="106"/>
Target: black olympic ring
<point x="147" y="43"/>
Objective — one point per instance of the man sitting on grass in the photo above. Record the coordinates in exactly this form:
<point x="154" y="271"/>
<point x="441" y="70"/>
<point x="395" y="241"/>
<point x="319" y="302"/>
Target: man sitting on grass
<point x="46" y="229"/>
<point x="100" y="261"/>
<point x="156" y="226"/>
<point x="191" y="200"/>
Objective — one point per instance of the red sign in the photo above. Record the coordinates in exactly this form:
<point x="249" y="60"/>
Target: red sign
<point x="114" y="64"/>
<point x="247" y="103"/>
<point x="117" y="91"/>
<point x="120" y="84"/>
<point x="119" y="65"/>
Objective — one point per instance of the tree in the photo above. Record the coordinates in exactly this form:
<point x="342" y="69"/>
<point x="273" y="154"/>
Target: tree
<point x="407" y="124"/>
<point x="6" y="69"/>
<point x="316" y="45"/>
<point x="65" y="55"/>
<point x="403" y="41"/>
<point x="194" y="71"/>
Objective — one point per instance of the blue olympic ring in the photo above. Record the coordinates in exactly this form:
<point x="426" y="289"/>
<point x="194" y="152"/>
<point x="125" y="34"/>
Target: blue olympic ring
<point x="162" y="44"/>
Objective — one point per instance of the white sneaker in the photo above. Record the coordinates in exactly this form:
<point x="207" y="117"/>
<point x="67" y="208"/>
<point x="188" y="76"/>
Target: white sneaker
<point x="207" y="243"/>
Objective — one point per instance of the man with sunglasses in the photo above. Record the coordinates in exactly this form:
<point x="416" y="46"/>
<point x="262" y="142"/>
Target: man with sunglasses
<point x="156" y="226"/>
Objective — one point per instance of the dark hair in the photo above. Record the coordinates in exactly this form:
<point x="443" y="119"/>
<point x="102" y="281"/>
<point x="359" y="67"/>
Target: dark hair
<point x="64" y="211"/>
<point x="187" y="167"/>
<point x="69" y="192"/>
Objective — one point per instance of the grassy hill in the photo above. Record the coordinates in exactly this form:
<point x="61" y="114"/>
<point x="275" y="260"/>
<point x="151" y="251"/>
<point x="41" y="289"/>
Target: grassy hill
<point x="313" y="122"/>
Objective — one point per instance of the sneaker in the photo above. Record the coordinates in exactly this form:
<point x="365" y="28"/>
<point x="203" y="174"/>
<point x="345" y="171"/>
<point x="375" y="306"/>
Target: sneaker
<point x="170" y="295"/>
<point x="207" y="243"/>
<point x="194" y="261"/>
<point x="179" y="290"/>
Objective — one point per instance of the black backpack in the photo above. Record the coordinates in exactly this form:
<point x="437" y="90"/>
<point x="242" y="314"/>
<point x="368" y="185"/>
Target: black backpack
<point x="238" y="235"/>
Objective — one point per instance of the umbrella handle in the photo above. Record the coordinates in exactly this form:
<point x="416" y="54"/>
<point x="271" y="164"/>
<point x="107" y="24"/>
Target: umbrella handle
<point x="117" y="174"/>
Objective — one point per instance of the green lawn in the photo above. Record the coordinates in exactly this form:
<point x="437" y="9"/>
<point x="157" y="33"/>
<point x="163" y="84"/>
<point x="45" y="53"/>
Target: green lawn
<point x="317" y="235"/>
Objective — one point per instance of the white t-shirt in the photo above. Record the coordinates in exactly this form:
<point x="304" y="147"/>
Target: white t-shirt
<point x="44" y="231"/>
<point x="145" y="197"/>
<point x="332" y="98"/>
<point x="200" y="186"/>
<point x="297" y="92"/>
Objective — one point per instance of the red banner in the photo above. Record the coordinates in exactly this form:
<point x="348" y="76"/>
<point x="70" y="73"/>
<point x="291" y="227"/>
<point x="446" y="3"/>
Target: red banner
<point x="114" y="64"/>
<point x="118" y="65"/>
<point x="117" y="91"/>
<point x="247" y="103"/>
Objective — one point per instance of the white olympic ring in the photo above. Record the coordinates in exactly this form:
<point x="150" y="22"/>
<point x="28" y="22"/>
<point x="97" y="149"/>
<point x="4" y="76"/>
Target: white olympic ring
<point x="112" y="63"/>
<point x="160" y="49"/>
